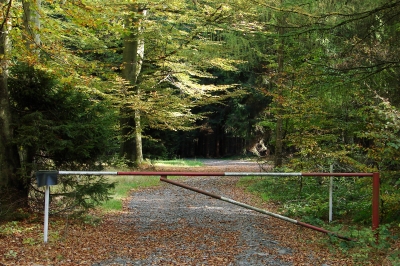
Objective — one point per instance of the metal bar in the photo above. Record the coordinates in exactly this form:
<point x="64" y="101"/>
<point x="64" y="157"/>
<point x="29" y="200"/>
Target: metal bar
<point x="322" y="230"/>
<point x="261" y="174"/>
<point x="173" y="173"/>
<point x="209" y="173"/>
<point x="253" y="208"/>
<point x="86" y="173"/>
<point x="337" y="174"/>
<point x="375" y="201"/>
<point x="244" y="205"/>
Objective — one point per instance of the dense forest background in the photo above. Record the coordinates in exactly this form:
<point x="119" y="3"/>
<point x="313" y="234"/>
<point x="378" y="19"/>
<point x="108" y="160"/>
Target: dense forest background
<point x="86" y="84"/>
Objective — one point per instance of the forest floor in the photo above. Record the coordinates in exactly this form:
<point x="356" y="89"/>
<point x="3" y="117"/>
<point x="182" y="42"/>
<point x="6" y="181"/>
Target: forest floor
<point x="169" y="225"/>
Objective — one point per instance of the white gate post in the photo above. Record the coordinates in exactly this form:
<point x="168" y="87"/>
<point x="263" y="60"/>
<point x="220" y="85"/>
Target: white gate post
<point x="46" y="213"/>
<point x="46" y="178"/>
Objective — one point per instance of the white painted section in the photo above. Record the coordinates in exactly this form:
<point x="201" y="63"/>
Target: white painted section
<point x="86" y="173"/>
<point x="244" y="205"/>
<point x="46" y="213"/>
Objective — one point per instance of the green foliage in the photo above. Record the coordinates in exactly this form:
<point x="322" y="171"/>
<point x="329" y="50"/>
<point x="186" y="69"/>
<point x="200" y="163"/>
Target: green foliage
<point x="308" y="197"/>
<point x="10" y="228"/>
<point x="91" y="219"/>
<point x="307" y="200"/>
<point x="368" y="243"/>
<point x="11" y="254"/>
<point x="63" y="127"/>
<point x="154" y="149"/>
<point x="78" y="194"/>
<point x="16" y="228"/>
<point x="383" y="130"/>
<point x="29" y="241"/>
<point x="66" y="125"/>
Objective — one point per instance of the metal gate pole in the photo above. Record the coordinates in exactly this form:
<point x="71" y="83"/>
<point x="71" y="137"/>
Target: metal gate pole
<point x="46" y="214"/>
<point x="375" y="201"/>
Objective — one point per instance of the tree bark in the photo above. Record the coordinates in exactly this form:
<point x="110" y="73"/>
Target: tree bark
<point x="31" y="19"/>
<point x="217" y="142"/>
<point x="278" y="160"/>
<point x="131" y="148"/>
<point x="12" y="188"/>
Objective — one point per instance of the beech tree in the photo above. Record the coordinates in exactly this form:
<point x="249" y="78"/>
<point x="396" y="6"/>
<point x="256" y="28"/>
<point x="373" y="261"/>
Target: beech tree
<point x="168" y="79"/>
<point x="133" y="56"/>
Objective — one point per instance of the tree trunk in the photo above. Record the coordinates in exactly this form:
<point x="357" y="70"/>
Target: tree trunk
<point x="138" y="139"/>
<point x="32" y="24"/>
<point x="217" y="142"/>
<point x="280" y="83"/>
<point x="12" y="188"/>
<point x="131" y="148"/>
<point x="31" y="18"/>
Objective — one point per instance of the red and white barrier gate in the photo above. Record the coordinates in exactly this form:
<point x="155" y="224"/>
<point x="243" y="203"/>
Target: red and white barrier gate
<point x="164" y="175"/>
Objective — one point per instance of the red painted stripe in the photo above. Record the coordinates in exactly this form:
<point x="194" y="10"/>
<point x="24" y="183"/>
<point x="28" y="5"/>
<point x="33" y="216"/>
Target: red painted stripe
<point x="324" y="231"/>
<point x="173" y="173"/>
<point x="337" y="174"/>
<point x="375" y="201"/>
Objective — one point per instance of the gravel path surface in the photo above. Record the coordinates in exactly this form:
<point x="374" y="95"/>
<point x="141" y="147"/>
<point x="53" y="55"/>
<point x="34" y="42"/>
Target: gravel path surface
<point x="217" y="231"/>
<point x="182" y="227"/>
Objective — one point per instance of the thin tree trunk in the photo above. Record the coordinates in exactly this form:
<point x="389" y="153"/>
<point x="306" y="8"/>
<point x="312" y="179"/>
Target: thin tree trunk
<point x="217" y="142"/>
<point x="279" y="116"/>
<point x="138" y="139"/>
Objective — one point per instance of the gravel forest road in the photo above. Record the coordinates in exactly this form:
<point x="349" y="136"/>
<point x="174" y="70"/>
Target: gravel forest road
<point x="181" y="227"/>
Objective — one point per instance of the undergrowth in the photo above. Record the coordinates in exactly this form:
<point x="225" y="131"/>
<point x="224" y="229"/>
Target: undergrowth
<point x="307" y="199"/>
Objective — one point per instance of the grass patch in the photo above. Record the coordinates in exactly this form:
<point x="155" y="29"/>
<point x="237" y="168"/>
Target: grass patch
<point x="178" y="162"/>
<point x="122" y="187"/>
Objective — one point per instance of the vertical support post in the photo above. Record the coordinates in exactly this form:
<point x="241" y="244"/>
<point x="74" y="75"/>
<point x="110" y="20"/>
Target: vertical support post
<point x="375" y="201"/>
<point x="46" y="213"/>
<point x="331" y="194"/>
